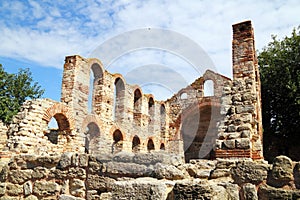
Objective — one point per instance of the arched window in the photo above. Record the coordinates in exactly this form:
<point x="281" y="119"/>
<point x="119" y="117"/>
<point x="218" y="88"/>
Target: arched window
<point x="118" y="141"/>
<point x="136" y="144"/>
<point x="96" y="73"/>
<point x="183" y="95"/>
<point x="52" y="133"/>
<point x="58" y="123"/>
<point x="208" y="88"/>
<point x="151" y="106"/>
<point x="150" y="145"/>
<point x="162" y="146"/>
<point x="137" y="103"/>
<point x="163" y="120"/>
<point x="91" y="138"/>
<point x="119" y="96"/>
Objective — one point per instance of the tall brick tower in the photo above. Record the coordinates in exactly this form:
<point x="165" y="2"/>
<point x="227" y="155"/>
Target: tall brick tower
<point x="240" y="134"/>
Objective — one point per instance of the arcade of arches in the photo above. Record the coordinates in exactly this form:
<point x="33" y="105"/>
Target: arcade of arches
<point x="212" y="117"/>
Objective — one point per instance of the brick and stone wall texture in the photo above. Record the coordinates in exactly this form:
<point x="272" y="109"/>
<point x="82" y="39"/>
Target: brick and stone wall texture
<point x="156" y="176"/>
<point x="240" y="132"/>
<point x="29" y="132"/>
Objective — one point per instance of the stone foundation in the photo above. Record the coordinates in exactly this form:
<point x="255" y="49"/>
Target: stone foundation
<point x="147" y="176"/>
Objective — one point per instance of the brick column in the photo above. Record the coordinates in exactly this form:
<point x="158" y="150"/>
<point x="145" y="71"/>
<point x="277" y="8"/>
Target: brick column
<point x="240" y="133"/>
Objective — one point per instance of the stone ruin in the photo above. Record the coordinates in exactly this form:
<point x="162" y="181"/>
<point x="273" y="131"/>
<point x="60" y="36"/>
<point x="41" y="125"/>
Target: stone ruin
<point x="115" y="142"/>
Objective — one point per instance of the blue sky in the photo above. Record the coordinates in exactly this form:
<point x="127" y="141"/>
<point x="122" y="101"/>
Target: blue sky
<point x="39" y="34"/>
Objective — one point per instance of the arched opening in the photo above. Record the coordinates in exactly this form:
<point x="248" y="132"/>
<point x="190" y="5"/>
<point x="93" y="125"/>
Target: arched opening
<point x="163" y="120"/>
<point x="150" y="145"/>
<point x="52" y="134"/>
<point x="92" y="135"/>
<point x="151" y="106"/>
<point x="137" y="103"/>
<point x="58" y="125"/>
<point x="151" y="113"/>
<point x="137" y="107"/>
<point x="119" y="96"/>
<point x="199" y="132"/>
<point x="162" y="146"/>
<point x="118" y="141"/>
<point x="183" y="95"/>
<point x="136" y="144"/>
<point x="208" y="88"/>
<point x="96" y="75"/>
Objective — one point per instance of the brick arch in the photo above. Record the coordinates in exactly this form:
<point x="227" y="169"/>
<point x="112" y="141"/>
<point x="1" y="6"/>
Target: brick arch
<point x="120" y="76"/>
<point x="98" y="70"/>
<point x="113" y="129"/>
<point x="212" y="102"/>
<point x="91" y="119"/>
<point x="136" y="87"/>
<point x="162" y="146"/>
<point x="150" y="144"/>
<point x="62" y="114"/>
<point x="217" y="79"/>
<point x="198" y="128"/>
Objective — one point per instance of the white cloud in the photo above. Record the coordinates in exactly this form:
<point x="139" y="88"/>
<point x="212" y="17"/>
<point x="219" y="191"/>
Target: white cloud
<point x="44" y="32"/>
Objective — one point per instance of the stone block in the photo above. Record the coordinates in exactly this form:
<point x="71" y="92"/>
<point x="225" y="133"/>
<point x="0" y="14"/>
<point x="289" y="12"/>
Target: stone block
<point x="243" y="143"/>
<point x="231" y="128"/>
<point x="249" y="192"/>
<point x="199" y="190"/>
<point x="83" y="160"/>
<point x="123" y="157"/>
<point x="244" y="127"/>
<point x="77" y="188"/>
<point x="65" y="160"/>
<point x="3" y="173"/>
<point x="14" y="189"/>
<point x="27" y="187"/>
<point x="219" y="173"/>
<point x="2" y="189"/>
<point x="141" y="188"/>
<point x="39" y="172"/>
<point x="31" y="197"/>
<point x="233" y="135"/>
<point x="47" y="161"/>
<point x="66" y="197"/>
<point x="117" y="169"/>
<point x="282" y="172"/>
<point x="98" y="182"/>
<point x="266" y="192"/>
<point x="230" y="144"/>
<point x="44" y="188"/>
<point x="297" y="175"/>
<point x="170" y="172"/>
<point x="20" y="176"/>
<point x="249" y="172"/>
<point x="246" y="134"/>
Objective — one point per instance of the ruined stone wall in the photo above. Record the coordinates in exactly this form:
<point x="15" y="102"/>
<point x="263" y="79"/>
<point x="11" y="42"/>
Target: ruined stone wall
<point x="100" y="113"/>
<point x="29" y="132"/>
<point x="115" y="107"/>
<point x="156" y="176"/>
<point x="193" y="117"/>
<point x="240" y="133"/>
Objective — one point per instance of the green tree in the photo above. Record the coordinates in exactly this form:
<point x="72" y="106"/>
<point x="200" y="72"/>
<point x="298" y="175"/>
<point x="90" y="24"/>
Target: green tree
<point x="280" y="81"/>
<point x="14" y="90"/>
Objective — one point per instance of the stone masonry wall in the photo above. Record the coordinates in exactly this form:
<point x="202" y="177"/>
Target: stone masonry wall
<point x="240" y="133"/>
<point x="155" y="176"/>
<point x="29" y="132"/>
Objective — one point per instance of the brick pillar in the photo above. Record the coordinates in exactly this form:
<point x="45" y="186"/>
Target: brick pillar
<point x="240" y="133"/>
<point x="75" y="87"/>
